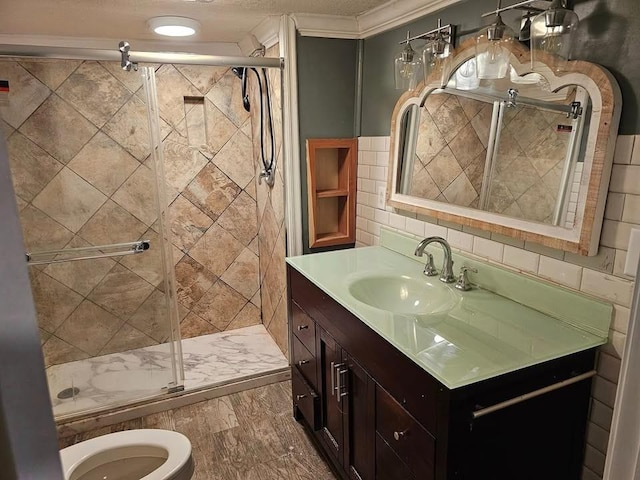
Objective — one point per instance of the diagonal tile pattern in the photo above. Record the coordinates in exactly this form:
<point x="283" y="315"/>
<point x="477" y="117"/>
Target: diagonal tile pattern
<point x="80" y="153"/>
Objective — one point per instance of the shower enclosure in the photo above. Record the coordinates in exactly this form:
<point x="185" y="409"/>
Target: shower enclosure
<point x="137" y="194"/>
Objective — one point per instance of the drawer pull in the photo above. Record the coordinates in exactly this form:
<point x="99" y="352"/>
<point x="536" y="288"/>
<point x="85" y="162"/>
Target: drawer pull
<point x="300" y="397"/>
<point x="399" y="435"/>
<point x="302" y="327"/>
<point x="303" y="362"/>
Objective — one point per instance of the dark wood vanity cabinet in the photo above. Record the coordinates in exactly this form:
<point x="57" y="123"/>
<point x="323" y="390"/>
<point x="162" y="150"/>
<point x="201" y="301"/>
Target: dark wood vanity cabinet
<point x="379" y="416"/>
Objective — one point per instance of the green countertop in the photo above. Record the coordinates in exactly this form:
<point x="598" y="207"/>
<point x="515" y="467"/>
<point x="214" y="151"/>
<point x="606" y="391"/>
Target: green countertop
<point x="484" y="335"/>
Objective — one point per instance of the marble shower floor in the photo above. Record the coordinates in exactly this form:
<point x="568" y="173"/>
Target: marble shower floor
<point x="119" y="378"/>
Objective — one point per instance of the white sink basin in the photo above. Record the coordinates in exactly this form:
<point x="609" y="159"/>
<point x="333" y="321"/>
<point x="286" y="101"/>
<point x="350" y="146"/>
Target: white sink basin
<point x="403" y="294"/>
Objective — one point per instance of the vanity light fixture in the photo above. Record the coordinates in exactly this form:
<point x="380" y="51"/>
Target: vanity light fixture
<point x="408" y="65"/>
<point x="493" y="50"/>
<point x="174" y="26"/>
<point x="552" y="34"/>
<point x="435" y="53"/>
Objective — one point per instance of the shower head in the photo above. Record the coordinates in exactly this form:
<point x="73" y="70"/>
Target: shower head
<point x="241" y="73"/>
<point x="238" y="72"/>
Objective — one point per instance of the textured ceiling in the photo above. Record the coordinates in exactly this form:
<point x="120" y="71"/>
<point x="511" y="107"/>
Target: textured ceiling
<point x="222" y="20"/>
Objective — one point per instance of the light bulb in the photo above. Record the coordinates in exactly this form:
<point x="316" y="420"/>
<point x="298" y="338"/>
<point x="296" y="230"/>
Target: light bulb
<point x="494" y="52"/>
<point x="552" y="44"/>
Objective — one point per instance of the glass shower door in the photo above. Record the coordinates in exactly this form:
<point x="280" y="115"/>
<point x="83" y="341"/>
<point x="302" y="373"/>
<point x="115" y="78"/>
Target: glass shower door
<point x="89" y="189"/>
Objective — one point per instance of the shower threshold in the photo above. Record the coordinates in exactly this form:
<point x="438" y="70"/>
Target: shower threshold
<point x="118" y="379"/>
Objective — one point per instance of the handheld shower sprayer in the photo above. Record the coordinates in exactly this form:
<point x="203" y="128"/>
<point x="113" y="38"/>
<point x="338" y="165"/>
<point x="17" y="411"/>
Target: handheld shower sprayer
<point x="268" y="167"/>
<point x="241" y="73"/>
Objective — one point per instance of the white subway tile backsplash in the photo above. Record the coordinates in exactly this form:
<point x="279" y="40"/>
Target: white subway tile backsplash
<point x="382" y="159"/>
<point x="378" y="173"/>
<point x="373" y="228"/>
<point x="361" y="223"/>
<point x="378" y="144"/>
<point x="624" y="178"/>
<point x="433" y="230"/>
<point x="368" y="158"/>
<point x="560" y="272"/>
<point x="364" y="143"/>
<point x="382" y="217"/>
<point x="601" y="415"/>
<point x="368" y="186"/>
<point x="615" y="206"/>
<point x="415" y="226"/>
<point x="597" y="437"/>
<point x="594" y="460"/>
<point x="615" y="345"/>
<point x="367" y="212"/>
<point x="363" y="171"/>
<point x="616" y="234"/>
<point x="615" y="289"/>
<point x="604" y="391"/>
<point x="488" y="249"/>
<point x="521" y="259"/>
<point x="624" y="149"/>
<point x="631" y="210"/>
<point x="621" y="317"/>
<point x="609" y="367"/>
<point x="460" y="240"/>
<point x="397" y="221"/>
<point x="635" y="156"/>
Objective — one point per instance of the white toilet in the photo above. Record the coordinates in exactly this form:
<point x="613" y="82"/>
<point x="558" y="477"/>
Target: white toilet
<point x="130" y="455"/>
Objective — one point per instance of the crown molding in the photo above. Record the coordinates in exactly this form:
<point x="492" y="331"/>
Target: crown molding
<point x="329" y="26"/>
<point x="378" y="20"/>
<point x="209" y="48"/>
<point x="267" y="31"/>
<point x="396" y="13"/>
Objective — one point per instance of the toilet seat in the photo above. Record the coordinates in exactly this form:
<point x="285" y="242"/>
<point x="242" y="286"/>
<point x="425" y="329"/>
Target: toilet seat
<point x="130" y="444"/>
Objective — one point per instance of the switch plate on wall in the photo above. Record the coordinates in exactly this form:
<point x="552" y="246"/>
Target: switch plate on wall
<point x="633" y="254"/>
<point x="380" y="201"/>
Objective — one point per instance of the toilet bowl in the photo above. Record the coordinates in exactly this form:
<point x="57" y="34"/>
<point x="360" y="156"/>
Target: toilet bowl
<point x="130" y="455"/>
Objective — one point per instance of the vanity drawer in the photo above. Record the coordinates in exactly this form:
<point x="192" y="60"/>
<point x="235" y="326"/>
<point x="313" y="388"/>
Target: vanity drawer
<point x="388" y="464"/>
<point x="305" y="399"/>
<point x="303" y="328"/>
<point x="305" y="362"/>
<point x="405" y="436"/>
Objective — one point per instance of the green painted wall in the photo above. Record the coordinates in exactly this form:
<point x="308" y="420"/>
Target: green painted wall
<point x="327" y="98"/>
<point x="609" y="34"/>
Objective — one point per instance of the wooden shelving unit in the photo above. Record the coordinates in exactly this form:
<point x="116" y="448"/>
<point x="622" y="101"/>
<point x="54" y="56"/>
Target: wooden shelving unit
<point x="331" y="181"/>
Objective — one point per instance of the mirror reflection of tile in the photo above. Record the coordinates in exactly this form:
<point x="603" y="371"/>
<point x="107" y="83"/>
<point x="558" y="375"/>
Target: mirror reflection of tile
<point x="451" y="150"/>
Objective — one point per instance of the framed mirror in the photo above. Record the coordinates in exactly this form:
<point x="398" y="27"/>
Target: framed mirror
<point x="528" y="156"/>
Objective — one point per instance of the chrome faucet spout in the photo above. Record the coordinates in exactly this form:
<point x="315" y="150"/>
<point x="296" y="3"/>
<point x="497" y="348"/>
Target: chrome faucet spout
<point x="447" y="267"/>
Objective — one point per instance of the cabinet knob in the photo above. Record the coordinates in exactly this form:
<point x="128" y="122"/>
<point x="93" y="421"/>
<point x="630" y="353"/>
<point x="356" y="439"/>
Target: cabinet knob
<point x="303" y="362"/>
<point x="399" y="435"/>
<point x="303" y="327"/>
<point x="300" y="397"/>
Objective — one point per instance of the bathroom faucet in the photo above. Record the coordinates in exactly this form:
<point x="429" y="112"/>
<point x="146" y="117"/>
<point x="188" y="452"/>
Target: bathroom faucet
<point x="447" y="268"/>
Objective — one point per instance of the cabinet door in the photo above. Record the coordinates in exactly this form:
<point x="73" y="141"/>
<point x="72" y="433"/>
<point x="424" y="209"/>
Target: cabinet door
<point x="359" y="421"/>
<point x="331" y="364"/>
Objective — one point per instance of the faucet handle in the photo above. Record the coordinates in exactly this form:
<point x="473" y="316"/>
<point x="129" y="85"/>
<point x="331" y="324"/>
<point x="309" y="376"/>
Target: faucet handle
<point x="463" y="280"/>
<point x="430" y="269"/>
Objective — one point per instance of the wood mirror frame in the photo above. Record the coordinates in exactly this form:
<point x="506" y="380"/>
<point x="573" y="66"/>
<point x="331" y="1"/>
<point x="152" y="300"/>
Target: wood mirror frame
<point x="601" y="137"/>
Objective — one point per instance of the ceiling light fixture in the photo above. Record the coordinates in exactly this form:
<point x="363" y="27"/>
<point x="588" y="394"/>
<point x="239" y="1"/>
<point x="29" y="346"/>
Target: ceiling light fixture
<point x="173" y="26"/>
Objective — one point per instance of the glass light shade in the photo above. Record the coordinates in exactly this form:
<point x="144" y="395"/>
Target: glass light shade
<point x="435" y="59"/>
<point x="552" y="38"/>
<point x="493" y="50"/>
<point x="408" y="68"/>
<point x="466" y="77"/>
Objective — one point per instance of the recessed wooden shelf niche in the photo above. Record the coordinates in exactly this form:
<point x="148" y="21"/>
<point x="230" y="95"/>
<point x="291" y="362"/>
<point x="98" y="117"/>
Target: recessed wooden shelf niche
<point x="331" y="181"/>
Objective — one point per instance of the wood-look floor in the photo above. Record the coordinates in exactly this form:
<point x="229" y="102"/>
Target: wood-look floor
<point x="249" y="435"/>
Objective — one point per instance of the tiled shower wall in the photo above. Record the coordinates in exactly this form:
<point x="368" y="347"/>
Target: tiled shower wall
<point x="78" y="146"/>
<point x="601" y="276"/>
<point x="271" y="230"/>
